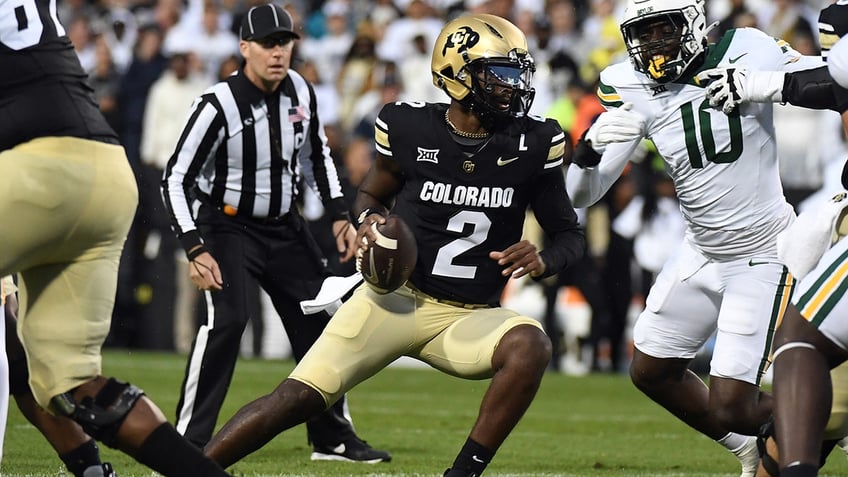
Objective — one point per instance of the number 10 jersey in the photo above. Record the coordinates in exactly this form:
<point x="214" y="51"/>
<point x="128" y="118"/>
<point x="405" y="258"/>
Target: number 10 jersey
<point x="724" y="167"/>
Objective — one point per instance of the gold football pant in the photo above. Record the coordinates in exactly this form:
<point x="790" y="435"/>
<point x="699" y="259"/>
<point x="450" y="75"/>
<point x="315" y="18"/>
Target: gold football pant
<point x="66" y="205"/>
<point x="370" y="331"/>
<point x="837" y="426"/>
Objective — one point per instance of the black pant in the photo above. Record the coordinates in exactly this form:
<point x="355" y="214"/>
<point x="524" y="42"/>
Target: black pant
<point x="586" y="277"/>
<point x="284" y="259"/>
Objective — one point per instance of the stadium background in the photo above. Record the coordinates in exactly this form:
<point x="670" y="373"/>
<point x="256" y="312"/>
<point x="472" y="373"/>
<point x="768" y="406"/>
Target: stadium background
<point x="361" y="54"/>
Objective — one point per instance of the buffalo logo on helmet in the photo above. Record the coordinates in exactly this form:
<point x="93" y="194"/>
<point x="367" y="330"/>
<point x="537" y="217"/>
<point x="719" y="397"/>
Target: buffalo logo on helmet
<point x="462" y="39"/>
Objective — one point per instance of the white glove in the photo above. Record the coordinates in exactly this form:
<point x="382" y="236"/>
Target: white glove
<point x="330" y="294"/>
<point x="727" y="88"/>
<point x="615" y="125"/>
<point x="801" y="245"/>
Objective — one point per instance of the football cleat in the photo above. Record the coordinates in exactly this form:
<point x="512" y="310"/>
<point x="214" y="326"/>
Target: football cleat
<point x="459" y="473"/>
<point x="351" y="450"/>
<point x="100" y="470"/>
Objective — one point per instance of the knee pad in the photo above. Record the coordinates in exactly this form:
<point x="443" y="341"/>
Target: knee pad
<point x="101" y="416"/>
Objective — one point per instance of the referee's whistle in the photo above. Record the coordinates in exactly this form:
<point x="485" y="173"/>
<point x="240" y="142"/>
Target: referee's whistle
<point x="230" y="210"/>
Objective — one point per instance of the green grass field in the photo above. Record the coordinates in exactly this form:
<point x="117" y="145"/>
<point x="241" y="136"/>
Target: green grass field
<point x="597" y="425"/>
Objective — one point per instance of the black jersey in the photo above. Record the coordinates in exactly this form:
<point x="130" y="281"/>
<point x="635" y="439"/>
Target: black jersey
<point x="815" y="88"/>
<point x="39" y="71"/>
<point x="833" y="25"/>
<point x="462" y="207"/>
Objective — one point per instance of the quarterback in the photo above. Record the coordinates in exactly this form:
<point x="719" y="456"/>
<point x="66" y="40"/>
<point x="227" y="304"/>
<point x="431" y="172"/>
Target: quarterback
<point x="726" y="276"/>
<point x="461" y="176"/>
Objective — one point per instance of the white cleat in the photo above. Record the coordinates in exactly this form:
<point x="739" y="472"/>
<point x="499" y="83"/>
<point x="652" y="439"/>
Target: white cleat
<point x="749" y="457"/>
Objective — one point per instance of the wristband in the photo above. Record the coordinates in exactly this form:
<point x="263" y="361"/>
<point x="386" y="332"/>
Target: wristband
<point x="360" y="219"/>
<point x="337" y="209"/>
<point x="342" y="216"/>
<point x="196" y="252"/>
<point x="765" y="86"/>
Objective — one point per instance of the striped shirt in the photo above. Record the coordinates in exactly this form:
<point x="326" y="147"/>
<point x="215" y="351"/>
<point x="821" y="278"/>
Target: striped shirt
<point x="244" y="151"/>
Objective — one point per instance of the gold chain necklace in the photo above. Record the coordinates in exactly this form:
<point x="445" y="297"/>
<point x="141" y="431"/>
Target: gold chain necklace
<point x="461" y="133"/>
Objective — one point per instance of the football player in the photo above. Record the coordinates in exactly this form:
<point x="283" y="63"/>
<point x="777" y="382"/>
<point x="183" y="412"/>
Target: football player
<point x="66" y="185"/>
<point x="812" y="338"/>
<point x="726" y="277"/>
<point x="733" y="85"/>
<point x="6" y="289"/>
<point x="76" y="449"/>
<point x="461" y="176"/>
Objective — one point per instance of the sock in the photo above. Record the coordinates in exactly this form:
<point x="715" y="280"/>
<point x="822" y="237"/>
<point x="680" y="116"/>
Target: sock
<point x="799" y="470"/>
<point x="471" y="461"/>
<point x="168" y="453"/>
<point x="733" y="441"/>
<point x="81" y="458"/>
<point x="827" y="446"/>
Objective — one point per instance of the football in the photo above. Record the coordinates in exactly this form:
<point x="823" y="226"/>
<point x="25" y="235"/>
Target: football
<point x="389" y="260"/>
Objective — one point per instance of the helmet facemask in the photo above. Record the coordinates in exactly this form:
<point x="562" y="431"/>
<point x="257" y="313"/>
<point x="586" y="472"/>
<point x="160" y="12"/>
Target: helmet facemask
<point x="482" y="62"/>
<point x="501" y="87"/>
<point x="662" y="45"/>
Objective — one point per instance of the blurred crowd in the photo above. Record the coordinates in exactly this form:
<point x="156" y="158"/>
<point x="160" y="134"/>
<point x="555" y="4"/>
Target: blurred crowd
<point x="149" y="59"/>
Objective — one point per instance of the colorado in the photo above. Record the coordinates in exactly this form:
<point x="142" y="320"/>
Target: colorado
<point x="470" y="196"/>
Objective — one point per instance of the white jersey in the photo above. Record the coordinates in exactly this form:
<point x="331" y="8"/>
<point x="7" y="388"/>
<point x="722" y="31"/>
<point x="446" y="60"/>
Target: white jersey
<point x="724" y="167"/>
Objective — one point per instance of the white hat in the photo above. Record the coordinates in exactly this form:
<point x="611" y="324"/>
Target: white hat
<point x="335" y="8"/>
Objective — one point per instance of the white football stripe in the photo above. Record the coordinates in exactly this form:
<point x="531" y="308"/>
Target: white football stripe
<point x="384" y="241"/>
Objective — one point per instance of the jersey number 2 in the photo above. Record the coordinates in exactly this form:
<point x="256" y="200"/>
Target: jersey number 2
<point x="21" y="26"/>
<point x="480" y="224"/>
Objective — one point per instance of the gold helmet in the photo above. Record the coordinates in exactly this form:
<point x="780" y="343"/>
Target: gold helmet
<point x="482" y="61"/>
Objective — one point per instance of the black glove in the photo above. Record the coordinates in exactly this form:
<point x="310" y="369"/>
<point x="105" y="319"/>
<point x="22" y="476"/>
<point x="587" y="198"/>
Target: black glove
<point x="584" y="156"/>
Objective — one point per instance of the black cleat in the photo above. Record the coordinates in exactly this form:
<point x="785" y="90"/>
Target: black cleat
<point x="351" y="450"/>
<point x="100" y="470"/>
<point x="459" y="473"/>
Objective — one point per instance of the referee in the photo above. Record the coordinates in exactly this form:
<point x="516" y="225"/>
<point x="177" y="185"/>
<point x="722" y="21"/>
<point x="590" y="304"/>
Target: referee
<point x="239" y="157"/>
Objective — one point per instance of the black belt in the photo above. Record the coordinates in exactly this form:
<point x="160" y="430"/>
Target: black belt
<point x="283" y="219"/>
<point x="467" y="306"/>
<point x="231" y="211"/>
